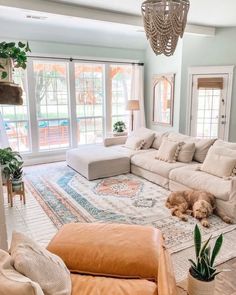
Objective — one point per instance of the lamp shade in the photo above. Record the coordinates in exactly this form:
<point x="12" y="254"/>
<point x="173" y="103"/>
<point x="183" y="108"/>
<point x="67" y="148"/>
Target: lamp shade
<point x="133" y="105"/>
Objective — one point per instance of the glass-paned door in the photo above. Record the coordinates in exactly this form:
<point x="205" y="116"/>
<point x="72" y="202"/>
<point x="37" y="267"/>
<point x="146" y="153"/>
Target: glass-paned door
<point x="208" y="113"/>
<point x="89" y="84"/>
<point x="16" y="118"/>
<point x="52" y="102"/>
<point x="121" y="79"/>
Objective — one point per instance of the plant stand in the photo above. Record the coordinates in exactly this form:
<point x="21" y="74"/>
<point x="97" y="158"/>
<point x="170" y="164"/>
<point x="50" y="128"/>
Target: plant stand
<point x="11" y="194"/>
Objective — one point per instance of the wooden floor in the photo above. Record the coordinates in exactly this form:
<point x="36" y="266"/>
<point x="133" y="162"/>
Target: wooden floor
<point x="225" y="282"/>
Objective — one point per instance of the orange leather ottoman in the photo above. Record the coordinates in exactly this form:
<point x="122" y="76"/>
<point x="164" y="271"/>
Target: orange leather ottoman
<point x="115" y="259"/>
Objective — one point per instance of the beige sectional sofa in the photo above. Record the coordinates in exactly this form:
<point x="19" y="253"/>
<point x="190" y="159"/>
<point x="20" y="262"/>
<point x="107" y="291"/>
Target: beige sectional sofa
<point x="172" y="176"/>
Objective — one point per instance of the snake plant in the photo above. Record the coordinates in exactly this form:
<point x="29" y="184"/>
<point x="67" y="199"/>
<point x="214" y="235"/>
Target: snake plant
<point x="204" y="268"/>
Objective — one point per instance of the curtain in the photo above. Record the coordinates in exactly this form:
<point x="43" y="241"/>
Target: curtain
<point x="137" y="93"/>
<point x="3" y="136"/>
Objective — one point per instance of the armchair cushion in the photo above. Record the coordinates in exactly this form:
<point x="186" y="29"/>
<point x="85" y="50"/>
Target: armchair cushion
<point x="89" y="285"/>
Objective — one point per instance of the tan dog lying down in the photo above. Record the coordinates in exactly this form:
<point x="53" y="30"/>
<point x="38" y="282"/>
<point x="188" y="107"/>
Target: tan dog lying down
<point x="200" y="204"/>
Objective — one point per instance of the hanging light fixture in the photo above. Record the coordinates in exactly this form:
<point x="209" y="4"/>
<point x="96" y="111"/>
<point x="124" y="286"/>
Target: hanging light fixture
<point x="164" y="23"/>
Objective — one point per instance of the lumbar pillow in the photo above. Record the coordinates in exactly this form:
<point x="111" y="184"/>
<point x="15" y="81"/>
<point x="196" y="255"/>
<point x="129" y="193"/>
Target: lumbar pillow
<point x="146" y="134"/>
<point x="220" y="162"/>
<point x="186" y="152"/>
<point x="39" y="265"/>
<point x="134" y="143"/>
<point x="169" y="151"/>
<point x="13" y="282"/>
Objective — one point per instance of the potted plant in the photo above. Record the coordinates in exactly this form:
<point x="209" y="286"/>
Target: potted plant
<point x="201" y="279"/>
<point x="119" y="128"/>
<point x="7" y="156"/>
<point x="16" y="171"/>
<point x="12" y="55"/>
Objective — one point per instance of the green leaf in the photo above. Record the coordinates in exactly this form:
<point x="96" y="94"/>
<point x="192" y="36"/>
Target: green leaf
<point x="192" y="262"/>
<point x="197" y="240"/>
<point x="11" y="44"/>
<point x="27" y="49"/>
<point x="4" y="75"/>
<point x="216" y="249"/>
<point x="204" y="247"/>
<point x="21" y="45"/>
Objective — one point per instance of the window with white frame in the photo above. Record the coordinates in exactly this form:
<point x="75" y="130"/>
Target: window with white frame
<point x="16" y="118"/>
<point x="67" y="99"/>
<point x="52" y="101"/>
<point x="89" y="85"/>
<point x="121" y="76"/>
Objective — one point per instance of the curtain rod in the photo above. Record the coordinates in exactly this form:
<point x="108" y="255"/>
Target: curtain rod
<point x="87" y="60"/>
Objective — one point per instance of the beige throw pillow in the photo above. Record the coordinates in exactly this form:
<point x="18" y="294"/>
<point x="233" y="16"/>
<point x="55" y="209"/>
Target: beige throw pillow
<point x="39" y="265"/>
<point x="220" y="162"/>
<point x="134" y="143"/>
<point x="13" y="282"/>
<point x="186" y="152"/>
<point x="202" y="146"/>
<point x="159" y="136"/>
<point x="169" y="151"/>
<point x="145" y="134"/>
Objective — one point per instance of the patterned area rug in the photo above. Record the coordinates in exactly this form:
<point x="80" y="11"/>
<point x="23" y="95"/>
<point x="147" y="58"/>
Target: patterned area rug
<point x="68" y="197"/>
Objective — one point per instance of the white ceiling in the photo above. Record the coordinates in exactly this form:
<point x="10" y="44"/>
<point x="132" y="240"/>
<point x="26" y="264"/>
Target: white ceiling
<point x="14" y="24"/>
<point x="216" y="13"/>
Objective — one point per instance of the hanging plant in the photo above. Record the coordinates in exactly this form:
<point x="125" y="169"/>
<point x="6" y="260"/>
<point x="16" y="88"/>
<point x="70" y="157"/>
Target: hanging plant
<point x="12" y="55"/>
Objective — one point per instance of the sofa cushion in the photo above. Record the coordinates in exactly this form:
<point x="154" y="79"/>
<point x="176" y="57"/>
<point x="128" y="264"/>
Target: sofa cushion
<point x="225" y="144"/>
<point x="97" y="161"/>
<point x="134" y="143"/>
<point x="168" y="151"/>
<point x="41" y="266"/>
<point x="159" y="136"/>
<point x="90" y="285"/>
<point x="201" y="145"/>
<point x="13" y="282"/>
<point x="149" y="162"/>
<point x="113" y="250"/>
<point x="146" y="134"/>
<point x="121" y="149"/>
<point x="220" y="162"/>
<point x="192" y="177"/>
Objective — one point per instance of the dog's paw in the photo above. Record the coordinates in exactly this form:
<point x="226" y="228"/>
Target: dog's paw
<point x="184" y="218"/>
<point x="205" y="223"/>
<point x="227" y="219"/>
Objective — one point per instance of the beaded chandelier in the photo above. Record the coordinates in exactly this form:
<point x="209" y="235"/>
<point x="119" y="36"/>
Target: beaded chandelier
<point x="164" y="23"/>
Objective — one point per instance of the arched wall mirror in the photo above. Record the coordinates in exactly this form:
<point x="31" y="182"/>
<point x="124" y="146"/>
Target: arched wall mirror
<point x="163" y="99"/>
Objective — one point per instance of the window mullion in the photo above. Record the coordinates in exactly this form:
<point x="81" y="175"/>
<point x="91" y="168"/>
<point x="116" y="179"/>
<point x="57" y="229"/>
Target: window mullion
<point x="72" y="106"/>
<point x="34" y="135"/>
<point x="108" y="99"/>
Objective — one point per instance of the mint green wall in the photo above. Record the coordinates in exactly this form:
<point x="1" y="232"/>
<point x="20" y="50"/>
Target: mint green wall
<point x="160" y="65"/>
<point x="86" y="51"/>
<point x="209" y="51"/>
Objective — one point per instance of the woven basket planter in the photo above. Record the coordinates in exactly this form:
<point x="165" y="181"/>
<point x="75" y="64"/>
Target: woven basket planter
<point x="196" y="287"/>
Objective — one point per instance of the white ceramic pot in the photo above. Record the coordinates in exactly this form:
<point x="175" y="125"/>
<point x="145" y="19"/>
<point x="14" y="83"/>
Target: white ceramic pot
<point x="196" y="287"/>
<point x="8" y="67"/>
<point x="120" y="133"/>
<point x="16" y="185"/>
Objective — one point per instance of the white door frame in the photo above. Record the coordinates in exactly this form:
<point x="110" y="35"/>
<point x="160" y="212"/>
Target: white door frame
<point x="210" y="70"/>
